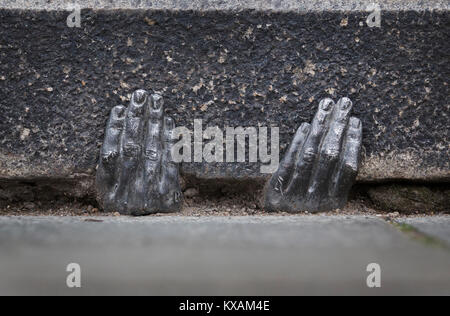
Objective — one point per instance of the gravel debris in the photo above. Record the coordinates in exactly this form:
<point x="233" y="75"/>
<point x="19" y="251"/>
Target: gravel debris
<point x="194" y="206"/>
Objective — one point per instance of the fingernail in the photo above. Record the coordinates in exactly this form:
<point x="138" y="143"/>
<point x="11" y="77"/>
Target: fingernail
<point x="345" y="103"/>
<point x="309" y="155"/>
<point x="139" y="96"/>
<point x="326" y="104"/>
<point x="119" y="111"/>
<point x="152" y="154"/>
<point x="354" y="122"/>
<point x="157" y="101"/>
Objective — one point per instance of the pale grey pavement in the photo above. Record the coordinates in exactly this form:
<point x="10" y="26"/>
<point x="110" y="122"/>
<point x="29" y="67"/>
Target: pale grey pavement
<point x="175" y="255"/>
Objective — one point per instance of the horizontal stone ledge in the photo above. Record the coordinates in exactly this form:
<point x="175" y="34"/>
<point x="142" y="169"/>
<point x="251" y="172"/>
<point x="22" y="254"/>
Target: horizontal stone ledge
<point x="58" y="84"/>
<point x="235" y="5"/>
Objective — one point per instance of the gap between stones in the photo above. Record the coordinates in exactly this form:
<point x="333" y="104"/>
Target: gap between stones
<point x="219" y="197"/>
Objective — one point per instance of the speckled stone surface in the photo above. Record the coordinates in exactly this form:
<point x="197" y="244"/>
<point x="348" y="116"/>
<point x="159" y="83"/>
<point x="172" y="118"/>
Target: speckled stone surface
<point x="248" y="68"/>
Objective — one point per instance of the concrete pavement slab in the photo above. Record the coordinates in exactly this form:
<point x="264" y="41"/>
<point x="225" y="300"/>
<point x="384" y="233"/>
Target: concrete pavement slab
<point x="434" y="226"/>
<point x="168" y="255"/>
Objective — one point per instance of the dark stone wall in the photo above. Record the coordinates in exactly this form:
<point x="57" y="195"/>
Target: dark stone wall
<point x="58" y="84"/>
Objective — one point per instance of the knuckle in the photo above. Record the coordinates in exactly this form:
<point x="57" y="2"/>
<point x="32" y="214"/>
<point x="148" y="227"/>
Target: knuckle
<point x="131" y="150"/>
<point x="353" y="137"/>
<point x="330" y="152"/>
<point x="309" y="155"/>
<point x="151" y="154"/>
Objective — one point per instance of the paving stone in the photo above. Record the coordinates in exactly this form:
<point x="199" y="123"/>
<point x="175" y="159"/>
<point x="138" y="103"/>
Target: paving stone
<point x="435" y="226"/>
<point x="216" y="256"/>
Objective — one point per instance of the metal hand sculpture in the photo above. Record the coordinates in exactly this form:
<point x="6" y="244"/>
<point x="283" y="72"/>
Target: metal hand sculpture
<point x="321" y="163"/>
<point x="136" y="174"/>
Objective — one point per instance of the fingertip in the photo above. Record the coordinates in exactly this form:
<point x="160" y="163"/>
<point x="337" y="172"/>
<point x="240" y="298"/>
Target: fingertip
<point x="325" y="109"/>
<point x="305" y="127"/>
<point x="355" y="129"/>
<point x="342" y="111"/>
<point x="155" y="107"/>
<point x="116" y="118"/>
<point x="158" y="101"/>
<point x="139" y="96"/>
<point x="136" y="108"/>
<point x="345" y="103"/>
<point x="326" y="104"/>
<point x="118" y="112"/>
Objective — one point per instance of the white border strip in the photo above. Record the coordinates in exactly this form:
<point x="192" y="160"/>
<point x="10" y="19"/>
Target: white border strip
<point x="225" y="5"/>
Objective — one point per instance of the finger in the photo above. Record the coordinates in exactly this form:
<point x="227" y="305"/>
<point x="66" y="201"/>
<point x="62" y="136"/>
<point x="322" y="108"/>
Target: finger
<point x="111" y="143"/>
<point x="153" y="133"/>
<point x="347" y="167"/>
<point x="171" y="166"/>
<point x="153" y="149"/>
<point x="274" y="198"/>
<point x="156" y="107"/>
<point x="318" y="191"/>
<point x="130" y="185"/>
<point x="309" y="152"/>
<point x="133" y="124"/>
<point x="109" y="154"/>
<point x="170" y="183"/>
<point x="333" y="139"/>
<point x="285" y="170"/>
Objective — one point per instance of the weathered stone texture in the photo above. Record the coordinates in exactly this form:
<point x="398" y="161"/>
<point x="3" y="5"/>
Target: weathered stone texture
<point x="58" y="84"/>
<point x="411" y="198"/>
